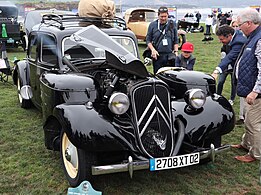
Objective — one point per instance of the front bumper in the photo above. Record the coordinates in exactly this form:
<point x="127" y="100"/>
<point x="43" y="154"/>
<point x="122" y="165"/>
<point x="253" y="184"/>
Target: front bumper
<point x="131" y="166"/>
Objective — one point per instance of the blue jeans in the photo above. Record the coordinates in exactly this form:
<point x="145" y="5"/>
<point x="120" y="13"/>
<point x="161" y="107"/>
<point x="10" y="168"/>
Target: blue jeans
<point x="221" y="81"/>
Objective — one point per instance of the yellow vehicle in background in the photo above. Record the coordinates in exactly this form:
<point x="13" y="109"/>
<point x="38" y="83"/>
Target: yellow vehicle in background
<point x="138" y="20"/>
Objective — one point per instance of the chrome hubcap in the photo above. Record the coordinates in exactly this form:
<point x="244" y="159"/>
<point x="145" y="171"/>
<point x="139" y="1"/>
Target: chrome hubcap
<point x="70" y="157"/>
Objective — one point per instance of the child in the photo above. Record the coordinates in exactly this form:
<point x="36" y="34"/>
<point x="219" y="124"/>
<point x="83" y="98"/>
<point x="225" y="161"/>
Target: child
<point x="186" y="59"/>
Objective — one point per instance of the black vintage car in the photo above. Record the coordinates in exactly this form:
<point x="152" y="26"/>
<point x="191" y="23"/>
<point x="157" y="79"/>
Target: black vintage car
<point x="105" y="112"/>
<point x="10" y="28"/>
<point x="189" y="24"/>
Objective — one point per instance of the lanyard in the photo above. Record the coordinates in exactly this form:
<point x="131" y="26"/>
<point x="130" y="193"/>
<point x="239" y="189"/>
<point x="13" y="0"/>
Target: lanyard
<point x="163" y="32"/>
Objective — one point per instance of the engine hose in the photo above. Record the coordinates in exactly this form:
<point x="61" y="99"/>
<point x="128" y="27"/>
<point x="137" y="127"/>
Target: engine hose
<point x="111" y="87"/>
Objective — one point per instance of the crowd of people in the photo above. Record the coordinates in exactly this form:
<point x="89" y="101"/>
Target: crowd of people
<point x="213" y="21"/>
<point x="240" y="58"/>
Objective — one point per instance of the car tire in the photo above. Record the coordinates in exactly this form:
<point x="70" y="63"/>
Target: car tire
<point x="216" y="141"/>
<point x="24" y="42"/>
<point x="23" y="102"/>
<point x="76" y="162"/>
<point x="182" y="40"/>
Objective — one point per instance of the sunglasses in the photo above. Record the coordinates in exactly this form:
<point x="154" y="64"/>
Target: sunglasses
<point x="163" y="9"/>
<point x="242" y="23"/>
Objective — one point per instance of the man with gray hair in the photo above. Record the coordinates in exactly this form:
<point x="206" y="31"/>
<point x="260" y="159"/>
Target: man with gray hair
<point x="248" y="75"/>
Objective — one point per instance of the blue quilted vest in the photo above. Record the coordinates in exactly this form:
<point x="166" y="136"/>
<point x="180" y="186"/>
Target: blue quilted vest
<point x="247" y="70"/>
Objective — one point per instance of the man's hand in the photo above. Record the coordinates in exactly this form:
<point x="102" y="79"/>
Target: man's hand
<point x="175" y="52"/>
<point x="215" y="74"/>
<point x="251" y="97"/>
<point x="154" y="54"/>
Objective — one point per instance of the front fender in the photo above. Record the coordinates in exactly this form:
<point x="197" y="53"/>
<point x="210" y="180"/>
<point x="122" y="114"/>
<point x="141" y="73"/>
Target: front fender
<point x="89" y="130"/>
<point x="22" y="70"/>
<point x="216" y="115"/>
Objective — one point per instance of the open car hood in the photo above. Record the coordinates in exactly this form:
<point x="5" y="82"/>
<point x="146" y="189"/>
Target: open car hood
<point x="93" y="39"/>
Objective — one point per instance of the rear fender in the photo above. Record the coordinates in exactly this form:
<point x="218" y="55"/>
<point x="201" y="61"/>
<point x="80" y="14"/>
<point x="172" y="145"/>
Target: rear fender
<point x="89" y="130"/>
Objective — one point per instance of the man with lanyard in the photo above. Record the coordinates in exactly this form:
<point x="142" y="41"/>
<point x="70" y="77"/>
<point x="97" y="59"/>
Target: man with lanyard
<point x="162" y="39"/>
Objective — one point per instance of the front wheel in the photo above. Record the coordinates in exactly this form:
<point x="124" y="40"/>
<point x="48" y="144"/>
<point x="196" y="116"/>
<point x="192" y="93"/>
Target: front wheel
<point x="214" y="140"/>
<point x="76" y="162"/>
<point x="181" y="40"/>
<point x="24" y="42"/>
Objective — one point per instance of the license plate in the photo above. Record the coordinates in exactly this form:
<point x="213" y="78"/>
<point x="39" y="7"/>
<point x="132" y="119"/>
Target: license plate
<point x="10" y="40"/>
<point x="174" y="162"/>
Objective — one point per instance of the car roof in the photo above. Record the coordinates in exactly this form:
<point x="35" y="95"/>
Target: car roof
<point x="62" y="23"/>
<point x="8" y="9"/>
<point x="129" y="11"/>
<point x="35" y="17"/>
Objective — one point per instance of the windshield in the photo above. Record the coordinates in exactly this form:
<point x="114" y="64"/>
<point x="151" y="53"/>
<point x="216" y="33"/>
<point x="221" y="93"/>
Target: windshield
<point x="91" y="42"/>
<point x="75" y="47"/>
<point x="72" y="49"/>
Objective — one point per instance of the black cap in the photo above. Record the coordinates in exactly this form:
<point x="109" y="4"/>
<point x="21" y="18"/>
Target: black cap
<point x="163" y="10"/>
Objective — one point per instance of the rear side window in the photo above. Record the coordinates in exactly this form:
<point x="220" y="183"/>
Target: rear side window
<point x="48" y="50"/>
<point x="33" y="47"/>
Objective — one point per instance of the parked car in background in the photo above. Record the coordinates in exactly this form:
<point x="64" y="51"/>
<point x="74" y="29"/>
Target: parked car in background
<point x="189" y="23"/>
<point x="138" y="20"/>
<point x="10" y="27"/>
<point x="105" y="112"/>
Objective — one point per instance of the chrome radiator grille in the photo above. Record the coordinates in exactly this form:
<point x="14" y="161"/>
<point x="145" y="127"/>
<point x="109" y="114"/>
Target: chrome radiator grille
<point x="151" y="106"/>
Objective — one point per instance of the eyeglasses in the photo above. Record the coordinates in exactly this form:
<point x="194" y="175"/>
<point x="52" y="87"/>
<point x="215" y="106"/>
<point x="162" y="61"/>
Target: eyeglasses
<point x="242" y="23"/>
<point x="163" y="9"/>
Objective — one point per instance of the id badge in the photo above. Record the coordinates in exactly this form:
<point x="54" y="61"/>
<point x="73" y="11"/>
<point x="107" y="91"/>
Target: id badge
<point x="164" y="42"/>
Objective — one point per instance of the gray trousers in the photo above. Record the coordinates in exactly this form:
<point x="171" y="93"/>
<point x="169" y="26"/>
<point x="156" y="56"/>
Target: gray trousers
<point x="241" y="109"/>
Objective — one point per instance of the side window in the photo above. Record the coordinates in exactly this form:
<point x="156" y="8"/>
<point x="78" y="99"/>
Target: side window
<point x="33" y="47"/>
<point x="48" y="50"/>
<point x="137" y="16"/>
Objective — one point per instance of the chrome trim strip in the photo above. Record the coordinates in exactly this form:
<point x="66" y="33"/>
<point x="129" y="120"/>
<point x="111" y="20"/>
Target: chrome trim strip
<point x="163" y="108"/>
<point x="148" y="122"/>
<point x="145" y="112"/>
<point x="131" y="166"/>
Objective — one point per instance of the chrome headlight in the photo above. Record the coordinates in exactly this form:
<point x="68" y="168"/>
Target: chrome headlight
<point x="196" y="98"/>
<point x="119" y="103"/>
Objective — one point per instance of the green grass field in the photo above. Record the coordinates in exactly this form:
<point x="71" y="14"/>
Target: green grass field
<point x="27" y="167"/>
